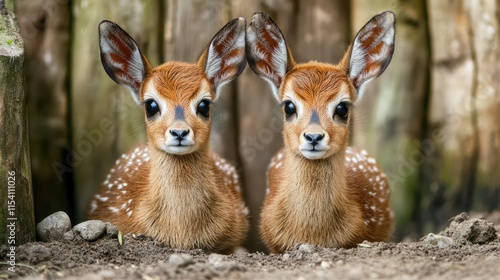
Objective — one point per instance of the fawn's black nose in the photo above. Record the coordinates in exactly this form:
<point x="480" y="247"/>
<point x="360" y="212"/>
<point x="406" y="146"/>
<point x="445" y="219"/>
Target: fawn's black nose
<point x="179" y="134"/>
<point x="313" y="139"/>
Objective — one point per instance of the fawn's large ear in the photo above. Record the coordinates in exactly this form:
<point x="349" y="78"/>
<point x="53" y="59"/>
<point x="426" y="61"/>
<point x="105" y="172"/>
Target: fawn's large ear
<point x="267" y="52"/>
<point x="371" y="51"/>
<point x="121" y="57"/>
<point x="224" y="58"/>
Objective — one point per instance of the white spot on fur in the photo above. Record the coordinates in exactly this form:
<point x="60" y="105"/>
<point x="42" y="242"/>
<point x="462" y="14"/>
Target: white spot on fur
<point x="113" y="209"/>
<point x="101" y="198"/>
<point x="93" y="206"/>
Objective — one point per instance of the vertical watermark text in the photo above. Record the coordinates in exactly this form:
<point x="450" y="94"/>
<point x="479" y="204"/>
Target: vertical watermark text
<point x="11" y="220"/>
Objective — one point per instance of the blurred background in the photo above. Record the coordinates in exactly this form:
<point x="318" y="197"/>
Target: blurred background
<point x="432" y="119"/>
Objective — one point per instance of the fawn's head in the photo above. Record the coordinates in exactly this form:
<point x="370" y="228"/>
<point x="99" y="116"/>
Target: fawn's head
<point x="176" y="96"/>
<point x="318" y="97"/>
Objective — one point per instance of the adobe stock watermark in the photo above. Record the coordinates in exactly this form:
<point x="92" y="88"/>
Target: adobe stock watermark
<point x="11" y="221"/>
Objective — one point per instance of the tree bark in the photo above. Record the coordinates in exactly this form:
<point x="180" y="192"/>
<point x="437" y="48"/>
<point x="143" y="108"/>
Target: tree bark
<point x="452" y="118"/>
<point x="484" y="17"/>
<point x="15" y="188"/>
<point x="106" y="122"/>
<point x="389" y="119"/>
<point x="45" y="28"/>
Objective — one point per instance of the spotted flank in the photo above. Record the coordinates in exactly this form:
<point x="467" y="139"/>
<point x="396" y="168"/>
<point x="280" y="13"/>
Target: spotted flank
<point x="115" y="185"/>
<point x="230" y="175"/>
<point x="376" y="188"/>
<point x="276" y="163"/>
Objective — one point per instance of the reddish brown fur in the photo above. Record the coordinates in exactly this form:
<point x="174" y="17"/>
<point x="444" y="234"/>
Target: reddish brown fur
<point x="182" y="195"/>
<point x="320" y="191"/>
<point x="325" y="201"/>
<point x="189" y="201"/>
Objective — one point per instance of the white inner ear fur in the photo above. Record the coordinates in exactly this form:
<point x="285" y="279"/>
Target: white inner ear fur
<point x="279" y="59"/>
<point x="360" y="57"/>
<point x="136" y="65"/>
<point x="216" y="65"/>
<point x="203" y="93"/>
<point x="151" y="93"/>
<point x="274" y="88"/>
<point x="135" y="95"/>
<point x="278" y="62"/>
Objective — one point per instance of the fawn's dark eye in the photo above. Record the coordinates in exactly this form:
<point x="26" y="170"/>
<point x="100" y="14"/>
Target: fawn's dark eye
<point x="289" y="109"/>
<point x="152" y="108"/>
<point x="204" y="108"/>
<point x="342" y="110"/>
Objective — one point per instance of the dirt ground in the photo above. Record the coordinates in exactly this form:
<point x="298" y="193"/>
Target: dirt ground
<point x="142" y="258"/>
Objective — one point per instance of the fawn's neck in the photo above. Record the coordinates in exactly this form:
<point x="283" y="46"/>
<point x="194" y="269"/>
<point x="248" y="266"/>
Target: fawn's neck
<point x="321" y="175"/>
<point x="179" y="189"/>
<point x="317" y="186"/>
<point x="173" y="173"/>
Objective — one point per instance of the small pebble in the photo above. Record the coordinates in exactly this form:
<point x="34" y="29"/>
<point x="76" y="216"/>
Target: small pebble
<point x="325" y="265"/>
<point x="111" y="230"/>
<point x="53" y="227"/>
<point x="285" y="257"/>
<point x="437" y="240"/>
<point x="180" y="259"/>
<point x="90" y="230"/>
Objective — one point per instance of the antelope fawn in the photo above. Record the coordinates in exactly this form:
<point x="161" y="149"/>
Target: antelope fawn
<point x="174" y="189"/>
<point x="319" y="190"/>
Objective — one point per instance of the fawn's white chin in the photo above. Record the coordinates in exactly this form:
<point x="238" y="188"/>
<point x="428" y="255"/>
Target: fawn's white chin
<point x="178" y="150"/>
<point x="313" y="154"/>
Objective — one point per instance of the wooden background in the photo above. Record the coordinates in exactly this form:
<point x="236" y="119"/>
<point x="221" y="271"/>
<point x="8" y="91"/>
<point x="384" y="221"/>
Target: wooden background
<point x="432" y="119"/>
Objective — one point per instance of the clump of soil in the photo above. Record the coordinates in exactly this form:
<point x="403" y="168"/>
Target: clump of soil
<point x="477" y="231"/>
<point x="143" y="258"/>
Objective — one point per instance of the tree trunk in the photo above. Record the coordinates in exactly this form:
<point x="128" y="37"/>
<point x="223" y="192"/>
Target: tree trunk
<point x="452" y="127"/>
<point x="17" y="220"/>
<point x="45" y="28"/>
<point x="106" y="121"/>
<point x="389" y="119"/>
<point x="484" y="17"/>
